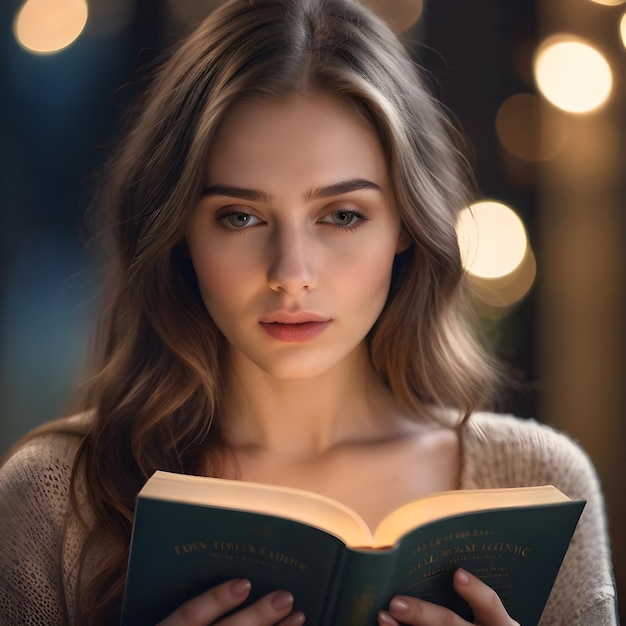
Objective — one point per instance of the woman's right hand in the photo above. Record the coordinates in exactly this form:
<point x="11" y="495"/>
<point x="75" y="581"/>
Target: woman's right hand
<point x="274" y="609"/>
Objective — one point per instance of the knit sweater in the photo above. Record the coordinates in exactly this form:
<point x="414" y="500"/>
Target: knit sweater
<point x="38" y="566"/>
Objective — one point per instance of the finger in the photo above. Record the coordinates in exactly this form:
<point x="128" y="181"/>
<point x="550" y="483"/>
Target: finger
<point x="295" y="619"/>
<point x="384" y="619"/>
<point x="267" y="611"/>
<point x="485" y="603"/>
<point x="207" y="607"/>
<point x="415" y="612"/>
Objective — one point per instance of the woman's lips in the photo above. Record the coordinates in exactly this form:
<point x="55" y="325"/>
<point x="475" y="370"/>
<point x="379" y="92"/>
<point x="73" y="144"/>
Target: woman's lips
<point x="299" y="332"/>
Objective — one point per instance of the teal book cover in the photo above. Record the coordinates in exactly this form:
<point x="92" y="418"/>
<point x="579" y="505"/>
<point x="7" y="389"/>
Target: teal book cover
<point x="517" y="552"/>
<point x="180" y="549"/>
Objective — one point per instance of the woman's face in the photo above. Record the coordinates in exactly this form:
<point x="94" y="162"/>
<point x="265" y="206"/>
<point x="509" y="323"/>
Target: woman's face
<point x="294" y="237"/>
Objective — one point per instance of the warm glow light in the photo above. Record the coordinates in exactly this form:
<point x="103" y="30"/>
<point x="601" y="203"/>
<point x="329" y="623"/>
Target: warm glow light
<point x="529" y="128"/>
<point x="622" y="29"/>
<point x="495" y="252"/>
<point x="47" y="26"/>
<point x="492" y="239"/>
<point x="507" y="290"/>
<point x="609" y="3"/>
<point x="572" y="74"/>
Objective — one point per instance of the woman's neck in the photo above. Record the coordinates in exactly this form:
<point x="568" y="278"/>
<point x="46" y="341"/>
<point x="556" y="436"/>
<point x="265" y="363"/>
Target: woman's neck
<point x="305" y="418"/>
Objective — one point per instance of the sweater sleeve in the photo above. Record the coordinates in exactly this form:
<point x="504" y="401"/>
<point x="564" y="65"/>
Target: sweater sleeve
<point x="585" y="587"/>
<point x="509" y="452"/>
<point x="34" y="500"/>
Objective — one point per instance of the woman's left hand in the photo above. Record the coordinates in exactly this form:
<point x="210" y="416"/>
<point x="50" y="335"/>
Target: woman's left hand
<point x="484" y="601"/>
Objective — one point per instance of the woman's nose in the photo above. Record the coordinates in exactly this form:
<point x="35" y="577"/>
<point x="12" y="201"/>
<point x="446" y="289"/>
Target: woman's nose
<point x="291" y="267"/>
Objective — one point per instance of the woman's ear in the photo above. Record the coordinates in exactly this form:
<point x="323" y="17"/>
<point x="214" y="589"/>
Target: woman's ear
<point x="404" y="241"/>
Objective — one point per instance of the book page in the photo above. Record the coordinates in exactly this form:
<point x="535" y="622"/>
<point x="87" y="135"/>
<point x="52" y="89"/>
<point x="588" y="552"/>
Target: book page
<point x="332" y="516"/>
<point x="295" y="504"/>
<point x="448" y="503"/>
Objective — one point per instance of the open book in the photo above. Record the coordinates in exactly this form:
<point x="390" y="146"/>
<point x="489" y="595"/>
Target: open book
<point x="193" y="532"/>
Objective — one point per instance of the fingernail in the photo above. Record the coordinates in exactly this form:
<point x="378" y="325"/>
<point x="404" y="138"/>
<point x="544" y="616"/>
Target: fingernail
<point x="282" y="600"/>
<point x="240" y="587"/>
<point x="462" y="578"/>
<point x="295" y="619"/>
<point x="398" y="605"/>
<point x="385" y="618"/>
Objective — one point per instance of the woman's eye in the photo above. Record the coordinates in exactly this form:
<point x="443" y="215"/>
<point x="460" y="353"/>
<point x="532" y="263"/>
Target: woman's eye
<point x="343" y="217"/>
<point x="238" y="220"/>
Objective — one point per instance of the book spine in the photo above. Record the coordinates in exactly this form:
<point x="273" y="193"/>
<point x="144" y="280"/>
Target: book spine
<point x="334" y="589"/>
<point x="364" y="588"/>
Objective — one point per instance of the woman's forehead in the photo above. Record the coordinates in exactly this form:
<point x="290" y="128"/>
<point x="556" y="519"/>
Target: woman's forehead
<point x="295" y="133"/>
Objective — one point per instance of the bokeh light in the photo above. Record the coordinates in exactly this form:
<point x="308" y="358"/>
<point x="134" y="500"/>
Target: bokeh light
<point x="496" y="254"/>
<point x="48" y="26"/>
<point x="529" y="128"/>
<point x="572" y="74"/>
<point x="622" y="29"/>
<point x="506" y="291"/>
<point x="492" y="239"/>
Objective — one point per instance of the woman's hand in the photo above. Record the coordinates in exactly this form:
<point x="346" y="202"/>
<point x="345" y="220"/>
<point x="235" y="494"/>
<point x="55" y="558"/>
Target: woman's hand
<point x="484" y="601"/>
<point x="274" y="609"/>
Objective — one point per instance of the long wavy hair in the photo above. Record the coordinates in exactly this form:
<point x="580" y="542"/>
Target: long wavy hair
<point x="154" y="401"/>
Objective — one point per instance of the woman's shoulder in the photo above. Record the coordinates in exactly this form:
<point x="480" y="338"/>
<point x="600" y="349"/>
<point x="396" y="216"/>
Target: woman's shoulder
<point x="507" y="451"/>
<point x="36" y="557"/>
<point x="40" y="465"/>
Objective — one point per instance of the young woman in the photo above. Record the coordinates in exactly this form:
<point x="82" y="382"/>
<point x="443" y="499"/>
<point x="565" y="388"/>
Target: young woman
<point x="286" y="305"/>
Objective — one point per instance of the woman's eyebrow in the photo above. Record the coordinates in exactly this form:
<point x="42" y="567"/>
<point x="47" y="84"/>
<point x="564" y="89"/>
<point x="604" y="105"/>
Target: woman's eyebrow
<point x="342" y="187"/>
<point x="236" y="192"/>
<point x="336" y="189"/>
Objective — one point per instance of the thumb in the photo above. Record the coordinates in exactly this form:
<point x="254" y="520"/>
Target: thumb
<point x="485" y="603"/>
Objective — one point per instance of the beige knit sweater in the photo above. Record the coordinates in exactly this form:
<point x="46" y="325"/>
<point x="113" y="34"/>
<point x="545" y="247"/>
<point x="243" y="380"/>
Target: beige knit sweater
<point x="37" y="585"/>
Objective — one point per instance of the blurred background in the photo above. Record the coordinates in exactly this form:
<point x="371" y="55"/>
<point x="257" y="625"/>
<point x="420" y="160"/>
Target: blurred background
<point x="538" y="86"/>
